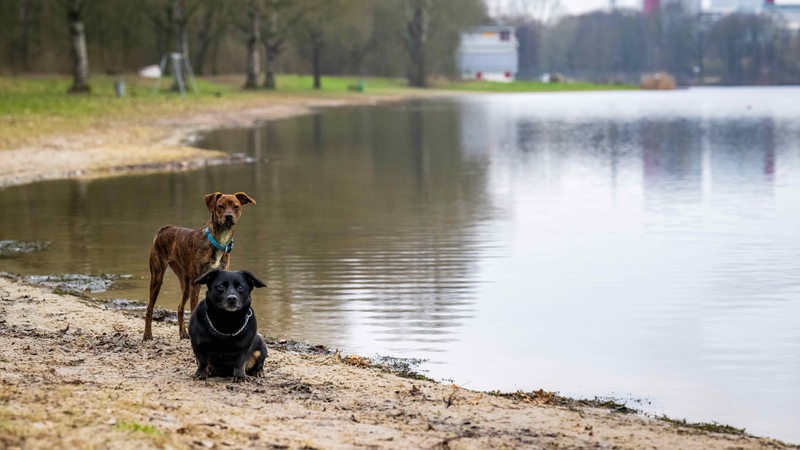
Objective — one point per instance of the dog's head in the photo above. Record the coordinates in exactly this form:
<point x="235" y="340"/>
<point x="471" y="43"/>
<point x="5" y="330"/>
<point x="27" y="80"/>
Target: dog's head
<point x="229" y="291"/>
<point x="227" y="208"/>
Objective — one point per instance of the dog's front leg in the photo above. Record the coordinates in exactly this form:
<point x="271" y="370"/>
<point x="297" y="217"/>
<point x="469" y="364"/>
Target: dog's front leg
<point x="203" y="369"/>
<point x="238" y="369"/>
<point x="238" y="374"/>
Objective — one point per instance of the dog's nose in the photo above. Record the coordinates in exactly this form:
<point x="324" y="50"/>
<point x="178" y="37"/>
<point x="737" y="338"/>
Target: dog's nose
<point x="232" y="298"/>
<point x="229" y="217"/>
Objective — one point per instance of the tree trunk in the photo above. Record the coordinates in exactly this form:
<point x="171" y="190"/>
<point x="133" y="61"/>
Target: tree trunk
<point x="215" y="58"/>
<point x="272" y="47"/>
<point x="21" y="44"/>
<point x="272" y="54"/>
<point x="205" y="36"/>
<point x="418" y="36"/>
<point x="80" y="59"/>
<point x="253" y="45"/>
<point x="316" y="57"/>
<point x="181" y="44"/>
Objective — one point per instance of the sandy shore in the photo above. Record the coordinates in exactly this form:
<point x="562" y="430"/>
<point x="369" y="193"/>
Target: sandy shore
<point x="76" y="375"/>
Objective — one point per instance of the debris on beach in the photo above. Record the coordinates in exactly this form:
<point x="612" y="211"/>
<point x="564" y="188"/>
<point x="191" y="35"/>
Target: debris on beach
<point x="10" y="248"/>
<point x="73" y="283"/>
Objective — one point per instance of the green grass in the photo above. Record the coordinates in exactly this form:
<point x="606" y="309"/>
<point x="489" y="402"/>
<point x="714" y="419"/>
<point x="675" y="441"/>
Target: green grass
<point x="305" y="83"/>
<point x="31" y="96"/>
<point x="34" y="106"/>
<point x="135" y="427"/>
<point x="47" y="96"/>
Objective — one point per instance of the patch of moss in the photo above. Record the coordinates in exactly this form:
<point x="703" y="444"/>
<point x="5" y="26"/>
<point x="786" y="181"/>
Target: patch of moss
<point x="136" y="427"/>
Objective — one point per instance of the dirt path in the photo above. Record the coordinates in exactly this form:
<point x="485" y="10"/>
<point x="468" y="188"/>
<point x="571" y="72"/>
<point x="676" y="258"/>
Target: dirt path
<point x="75" y="375"/>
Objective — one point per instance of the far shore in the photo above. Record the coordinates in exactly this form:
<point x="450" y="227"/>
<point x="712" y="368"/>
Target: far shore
<point x="116" y="145"/>
<point x="74" y="374"/>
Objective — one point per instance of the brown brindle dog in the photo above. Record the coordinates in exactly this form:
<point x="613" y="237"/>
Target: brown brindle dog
<point x="191" y="253"/>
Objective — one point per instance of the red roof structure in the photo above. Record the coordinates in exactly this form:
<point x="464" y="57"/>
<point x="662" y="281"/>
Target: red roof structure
<point x="650" y="6"/>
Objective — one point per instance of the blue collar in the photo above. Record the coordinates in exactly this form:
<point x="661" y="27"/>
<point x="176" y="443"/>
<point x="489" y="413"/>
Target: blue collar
<point x="225" y="248"/>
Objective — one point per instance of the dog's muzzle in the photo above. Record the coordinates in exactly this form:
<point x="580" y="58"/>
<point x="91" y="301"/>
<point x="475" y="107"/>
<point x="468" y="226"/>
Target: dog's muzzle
<point x="232" y="303"/>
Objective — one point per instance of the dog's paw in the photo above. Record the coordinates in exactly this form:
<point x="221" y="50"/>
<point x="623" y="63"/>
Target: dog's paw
<point x="200" y="375"/>
<point x="239" y="376"/>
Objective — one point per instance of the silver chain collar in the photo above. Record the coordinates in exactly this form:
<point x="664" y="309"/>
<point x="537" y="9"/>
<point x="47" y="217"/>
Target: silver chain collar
<point x="246" y="320"/>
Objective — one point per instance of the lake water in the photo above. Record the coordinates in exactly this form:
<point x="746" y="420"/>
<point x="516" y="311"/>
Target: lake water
<point x="640" y="245"/>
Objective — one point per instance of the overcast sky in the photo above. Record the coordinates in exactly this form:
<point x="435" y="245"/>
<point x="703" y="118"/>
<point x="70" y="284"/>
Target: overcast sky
<point x="582" y="6"/>
<point x="568" y="6"/>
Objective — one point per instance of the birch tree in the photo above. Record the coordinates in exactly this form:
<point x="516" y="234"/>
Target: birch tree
<point x="80" y="57"/>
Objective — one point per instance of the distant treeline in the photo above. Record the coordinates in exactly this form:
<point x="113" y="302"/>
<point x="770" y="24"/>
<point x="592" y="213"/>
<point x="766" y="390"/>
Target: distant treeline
<point x="695" y="49"/>
<point x="404" y="38"/>
<point x="416" y="39"/>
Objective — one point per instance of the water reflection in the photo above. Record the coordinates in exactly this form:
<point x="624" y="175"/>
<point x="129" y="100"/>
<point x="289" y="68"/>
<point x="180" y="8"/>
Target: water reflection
<point x="660" y="237"/>
<point x="367" y="227"/>
<point x="639" y="244"/>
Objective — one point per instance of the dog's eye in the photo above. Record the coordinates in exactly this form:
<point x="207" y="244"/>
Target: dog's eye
<point x="240" y="289"/>
<point x="220" y="287"/>
<point x="220" y="206"/>
<point x="235" y="206"/>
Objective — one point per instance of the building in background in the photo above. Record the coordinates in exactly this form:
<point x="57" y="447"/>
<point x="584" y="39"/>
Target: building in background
<point x="650" y="6"/>
<point x="488" y="53"/>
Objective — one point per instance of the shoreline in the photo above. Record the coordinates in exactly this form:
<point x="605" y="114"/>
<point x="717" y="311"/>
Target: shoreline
<point x="75" y="374"/>
<point x="118" y="146"/>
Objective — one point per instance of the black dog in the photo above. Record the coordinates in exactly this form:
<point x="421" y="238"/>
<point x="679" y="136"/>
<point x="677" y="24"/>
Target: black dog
<point x="223" y="327"/>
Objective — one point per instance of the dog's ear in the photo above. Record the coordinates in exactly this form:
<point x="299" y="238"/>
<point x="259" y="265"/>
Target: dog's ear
<point x="208" y="277"/>
<point x="244" y="198"/>
<point x="252" y="280"/>
<point x="211" y="200"/>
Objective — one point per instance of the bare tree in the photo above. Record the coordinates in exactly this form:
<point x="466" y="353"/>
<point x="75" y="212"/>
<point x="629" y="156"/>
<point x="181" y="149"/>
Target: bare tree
<point x="316" y="42"/>
<point x="253" y="44"/>
<point x="179" y="16"/>
<point x="272" y="46"/>
<point x="21" y="42"/>
<point x="210" y="31"/>
<point x="318" y="26"/>
<point x="282" y="16"/>
<point x="417" y="37"/>
<point x="80" y="58"/>
<point x="747" y="47"/>
<point x="178" y="26"/>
